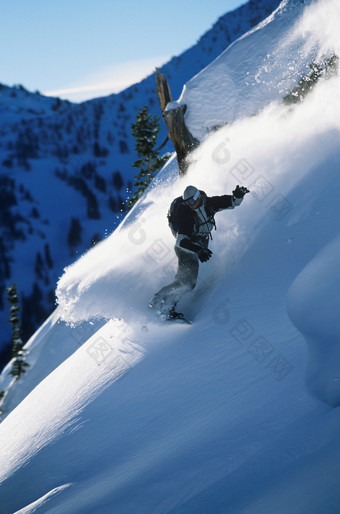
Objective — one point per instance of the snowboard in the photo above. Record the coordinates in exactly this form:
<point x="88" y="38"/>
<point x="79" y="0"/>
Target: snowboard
<point x="163" y="317"/>
<point x="180" y="319"/>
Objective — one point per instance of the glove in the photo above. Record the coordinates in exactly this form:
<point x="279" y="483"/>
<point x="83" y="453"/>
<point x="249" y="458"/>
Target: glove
<point x="204" y="254"/>
<point x="240" y="191"/>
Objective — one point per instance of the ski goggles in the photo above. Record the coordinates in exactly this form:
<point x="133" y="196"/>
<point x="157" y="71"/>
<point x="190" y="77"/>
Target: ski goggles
<point x="191" y="201"/>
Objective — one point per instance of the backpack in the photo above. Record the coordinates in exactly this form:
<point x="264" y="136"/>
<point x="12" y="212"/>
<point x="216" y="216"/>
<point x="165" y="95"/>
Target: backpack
<point x="173" y="215"/>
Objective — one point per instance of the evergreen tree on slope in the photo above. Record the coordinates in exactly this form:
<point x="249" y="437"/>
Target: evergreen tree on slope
<point x="19" y="364"/>
<point x="145" y="132"/>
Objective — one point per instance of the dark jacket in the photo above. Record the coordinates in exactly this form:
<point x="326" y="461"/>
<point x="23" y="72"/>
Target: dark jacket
<point x="189" y="224"/>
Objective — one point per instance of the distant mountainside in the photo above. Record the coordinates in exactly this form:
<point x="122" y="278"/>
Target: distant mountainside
<point x="65" y="170"/>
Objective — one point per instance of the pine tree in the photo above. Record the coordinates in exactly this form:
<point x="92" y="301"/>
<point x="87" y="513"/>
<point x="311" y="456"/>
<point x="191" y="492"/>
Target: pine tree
<point x="19" y="364"/>
<point x="145" y="132"/>
<point x="117" y="180"/>
<point x="74" y="234"/>
<point x="327" y="68"/>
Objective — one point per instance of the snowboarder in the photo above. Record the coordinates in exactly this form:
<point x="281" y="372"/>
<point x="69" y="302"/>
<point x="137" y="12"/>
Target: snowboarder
<point x="191" y="219"/>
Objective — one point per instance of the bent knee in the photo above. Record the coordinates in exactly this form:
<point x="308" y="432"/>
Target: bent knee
<point x="191" y="284"/>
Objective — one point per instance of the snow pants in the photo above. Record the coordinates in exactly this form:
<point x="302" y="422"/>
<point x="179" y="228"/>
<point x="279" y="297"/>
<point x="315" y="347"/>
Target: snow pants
<point x="185" y="280"/>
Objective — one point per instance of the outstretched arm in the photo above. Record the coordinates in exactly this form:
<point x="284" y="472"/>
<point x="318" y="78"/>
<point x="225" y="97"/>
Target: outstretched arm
<point x="220" y="203"/>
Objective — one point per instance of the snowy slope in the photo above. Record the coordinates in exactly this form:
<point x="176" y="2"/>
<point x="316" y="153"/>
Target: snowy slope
<point x="83" y="155"/>
<point x="250" y="80"/>
<point x="224" y="415"/>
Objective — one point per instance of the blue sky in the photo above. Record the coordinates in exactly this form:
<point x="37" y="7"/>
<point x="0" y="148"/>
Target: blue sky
<point x="80" y="49"/>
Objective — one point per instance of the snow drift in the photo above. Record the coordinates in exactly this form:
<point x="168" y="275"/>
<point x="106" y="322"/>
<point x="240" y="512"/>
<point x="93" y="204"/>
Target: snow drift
<point x="314" y="306"/>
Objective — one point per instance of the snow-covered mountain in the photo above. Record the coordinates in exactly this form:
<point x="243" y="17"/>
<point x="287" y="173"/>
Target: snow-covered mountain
<point x="237" y="413"/>
<point x="65" y="169"/>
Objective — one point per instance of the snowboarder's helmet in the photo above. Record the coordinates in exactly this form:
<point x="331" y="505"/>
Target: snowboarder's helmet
<point x="191" y="195"/>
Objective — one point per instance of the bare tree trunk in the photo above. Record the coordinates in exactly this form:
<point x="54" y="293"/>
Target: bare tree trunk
<point x="179" y="134"/>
